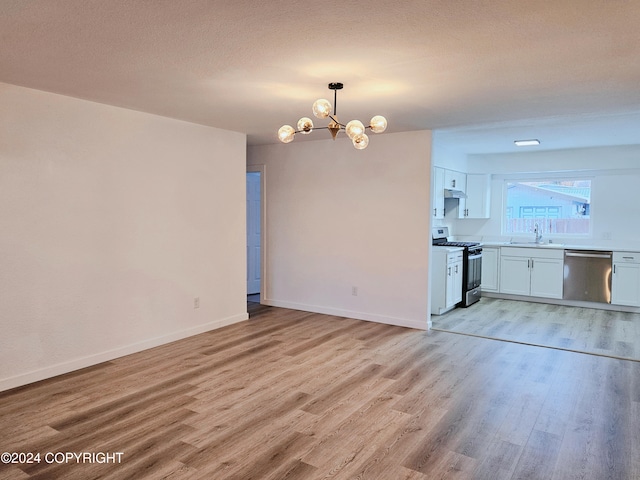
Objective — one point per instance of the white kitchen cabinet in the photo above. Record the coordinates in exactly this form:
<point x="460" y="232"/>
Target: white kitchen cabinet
<point x="446" y="279"/>
<point x="625" y="282"/>
<point x="533" y="272"/>
<point x="490" y="269"/>
<point x="455" y="180"/>
<point x="547" y="275"/>
<point x="515" y="274"/>
<point x="437" y="193"/>
<point x="454" y="279"/>
<point x="478" y="190"/>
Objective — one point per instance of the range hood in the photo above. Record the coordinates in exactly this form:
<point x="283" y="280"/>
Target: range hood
<point x="450" y="193"/>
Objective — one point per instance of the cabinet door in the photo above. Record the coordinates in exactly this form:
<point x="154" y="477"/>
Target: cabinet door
<point x="457" y="282"/>
<point x="478" y="196"/>
<point x="450" y="291"/>
<point x="462" y="208"/>
<point x="437" y="193"/>
<point x="455" y="180"/>
<point x="514" y="275"/>
<point x="490" y="260"/>
<point x="625" y="284"/>
<point x="546" y="277"/>
<point x="439" y="283"/>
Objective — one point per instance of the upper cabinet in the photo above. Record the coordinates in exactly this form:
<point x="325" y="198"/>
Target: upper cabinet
<point x="478" y="199"/>
<point x="437" y="193"/>
<point x="455" y="180"/>
<point x="475" y="186"/>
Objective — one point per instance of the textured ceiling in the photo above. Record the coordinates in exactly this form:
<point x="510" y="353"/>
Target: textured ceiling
<point x="251" y="66"/>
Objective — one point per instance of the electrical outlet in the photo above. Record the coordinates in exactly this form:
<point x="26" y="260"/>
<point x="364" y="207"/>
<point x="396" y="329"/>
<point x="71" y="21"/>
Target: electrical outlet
<point x="196" y="302"/>
<point x="354" y="291"/>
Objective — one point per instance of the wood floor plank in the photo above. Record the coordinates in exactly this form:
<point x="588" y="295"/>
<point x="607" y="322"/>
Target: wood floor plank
<point x="539" y="456"/>
<point x="296" y="395"/>
<point x="600" y="332"/>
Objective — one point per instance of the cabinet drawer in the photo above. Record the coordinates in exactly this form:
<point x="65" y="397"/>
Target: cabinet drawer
<point x="533" y="252"/>
<point x="626" y="257"/>
<point x="454" y="257"/>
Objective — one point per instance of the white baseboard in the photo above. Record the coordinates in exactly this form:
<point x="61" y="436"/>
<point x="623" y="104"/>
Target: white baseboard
<point x="90" y="360"/>
<point x="370" y="317"/>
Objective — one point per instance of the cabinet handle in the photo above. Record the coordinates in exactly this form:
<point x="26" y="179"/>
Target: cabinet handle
<point x="532" y="264"/>
<point x="528" y="263"/>
<point x="614" y="269"/>
<point x="435" y="212"/>
<point x="453" y="183"/>
<point x="449" y="271"/>
<point x="456" y="268"/>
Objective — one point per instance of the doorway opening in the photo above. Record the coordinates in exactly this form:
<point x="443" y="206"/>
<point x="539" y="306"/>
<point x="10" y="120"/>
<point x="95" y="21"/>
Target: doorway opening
<point x="254" y="235"/>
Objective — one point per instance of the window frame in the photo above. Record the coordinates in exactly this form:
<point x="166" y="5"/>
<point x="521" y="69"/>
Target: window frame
<point x="540" y="177"/>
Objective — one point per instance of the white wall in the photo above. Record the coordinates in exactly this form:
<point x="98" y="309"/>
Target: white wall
<point x="615" y="173"/>
<point x="112" y="222"/>
<point x="338" y="218"/>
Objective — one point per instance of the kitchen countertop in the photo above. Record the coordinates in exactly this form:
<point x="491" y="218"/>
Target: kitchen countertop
<point x="560" y="246"/>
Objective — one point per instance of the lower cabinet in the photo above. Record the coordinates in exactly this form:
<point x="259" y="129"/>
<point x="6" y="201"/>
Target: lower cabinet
<point x="490" y="269"/>
<point x="539" y="272"/>
<point x="625" y="282"/>
<point x="531" y="272"/>
<point x="446" y="280"/>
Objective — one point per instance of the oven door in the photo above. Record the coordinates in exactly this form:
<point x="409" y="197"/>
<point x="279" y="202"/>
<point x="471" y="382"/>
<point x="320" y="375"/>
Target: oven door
<point x="474" y="269"/>
<point x="472" y="291"/>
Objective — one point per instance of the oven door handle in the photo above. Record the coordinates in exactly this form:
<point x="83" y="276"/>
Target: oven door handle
<point x="474" y="256"/>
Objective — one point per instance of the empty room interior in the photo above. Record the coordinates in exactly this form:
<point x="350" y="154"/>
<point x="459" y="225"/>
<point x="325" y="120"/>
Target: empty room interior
<point x="248" y="240"/>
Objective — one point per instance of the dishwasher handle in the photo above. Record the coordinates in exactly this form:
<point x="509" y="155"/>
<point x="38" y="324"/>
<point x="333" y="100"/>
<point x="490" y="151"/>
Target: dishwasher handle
<point x="588" y="255"/>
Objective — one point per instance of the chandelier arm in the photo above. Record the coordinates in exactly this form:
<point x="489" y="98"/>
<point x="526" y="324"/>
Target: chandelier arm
<point x="314" y="128"/>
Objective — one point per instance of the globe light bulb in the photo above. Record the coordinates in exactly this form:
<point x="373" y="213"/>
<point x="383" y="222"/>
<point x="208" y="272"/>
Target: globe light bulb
<point x="321" y="108"/>
<point x="305" y="125"/>
<point x="378" y="124"/>
<point x="353" y="128"/>
<point x="361" y="141"/>
<point x="286" y="133"/>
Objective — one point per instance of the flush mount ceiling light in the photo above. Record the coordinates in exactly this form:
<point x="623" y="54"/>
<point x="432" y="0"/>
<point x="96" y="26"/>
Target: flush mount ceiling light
<point x="355" y="129"/>
<point x="527" y="143"/>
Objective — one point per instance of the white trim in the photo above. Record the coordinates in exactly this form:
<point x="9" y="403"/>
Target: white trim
<point x="91" y="360"/>
<point x="370" y="317"/>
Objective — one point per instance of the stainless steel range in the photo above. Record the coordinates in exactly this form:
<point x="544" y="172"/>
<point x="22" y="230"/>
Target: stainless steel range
<point x="472" y="261"/>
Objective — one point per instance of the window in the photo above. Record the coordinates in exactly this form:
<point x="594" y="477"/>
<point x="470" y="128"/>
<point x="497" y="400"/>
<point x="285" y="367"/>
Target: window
<point x="557" y="206"/>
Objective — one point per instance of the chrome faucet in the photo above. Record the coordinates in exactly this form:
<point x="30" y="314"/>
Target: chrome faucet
<point x="536" y="230"/>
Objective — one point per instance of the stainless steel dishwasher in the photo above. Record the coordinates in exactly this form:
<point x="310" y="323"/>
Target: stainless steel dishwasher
<point x="587" y="275"/>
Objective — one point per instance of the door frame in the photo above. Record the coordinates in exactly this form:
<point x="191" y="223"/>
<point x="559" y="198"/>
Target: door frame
<point x="263" y="230"/>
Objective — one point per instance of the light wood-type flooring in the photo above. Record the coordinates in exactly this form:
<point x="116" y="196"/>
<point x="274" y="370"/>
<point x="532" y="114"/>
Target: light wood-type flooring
<point x="296" y="395"/>
<point x="595" y="331"/>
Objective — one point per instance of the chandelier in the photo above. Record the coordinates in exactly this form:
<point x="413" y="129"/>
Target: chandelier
<point x="355" y="129"/>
